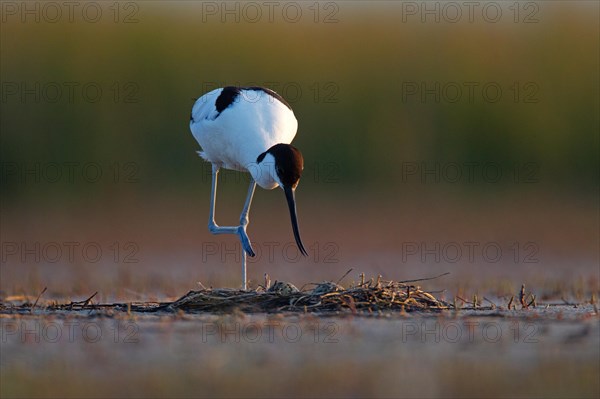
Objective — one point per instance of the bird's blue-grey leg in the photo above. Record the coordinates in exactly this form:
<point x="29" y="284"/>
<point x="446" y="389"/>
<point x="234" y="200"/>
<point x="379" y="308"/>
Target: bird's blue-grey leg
<point x="244" y="219"/>
<point x="213" y="227"/>
<point x="246" y="246"/>
<point x="240" y="230"/>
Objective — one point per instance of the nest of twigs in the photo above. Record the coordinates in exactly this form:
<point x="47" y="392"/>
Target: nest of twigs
<point x="374" y="295"/>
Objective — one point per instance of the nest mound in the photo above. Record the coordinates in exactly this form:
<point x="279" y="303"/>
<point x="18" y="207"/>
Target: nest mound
<point x="326" y="297"/>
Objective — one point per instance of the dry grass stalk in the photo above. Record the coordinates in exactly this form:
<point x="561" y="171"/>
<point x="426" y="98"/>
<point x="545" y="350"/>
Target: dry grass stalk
<point x="512" y="298"/>
<point x="522" y="296"/>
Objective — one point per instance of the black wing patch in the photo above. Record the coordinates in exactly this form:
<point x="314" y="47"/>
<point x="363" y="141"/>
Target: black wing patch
<point x="230" y="94"/>
<point x="226" y="98"/>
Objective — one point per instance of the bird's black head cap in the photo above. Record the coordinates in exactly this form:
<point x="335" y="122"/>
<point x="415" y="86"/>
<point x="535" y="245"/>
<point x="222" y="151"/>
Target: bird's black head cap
<point x="288" y="163"/>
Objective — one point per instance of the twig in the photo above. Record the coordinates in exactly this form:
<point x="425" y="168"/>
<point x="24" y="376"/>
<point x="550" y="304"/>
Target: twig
<point x="423" y="279"/>
<point x="348" y="272"/>
<point x="532" y="301"/>
<point x="567" y="302"/>
<point x="493" y="304"/>
<point x="87" y="301"/>
<point x="37" y="299"/>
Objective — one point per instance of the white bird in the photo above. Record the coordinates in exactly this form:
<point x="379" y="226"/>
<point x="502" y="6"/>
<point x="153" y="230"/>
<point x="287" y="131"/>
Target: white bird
<point x="249" y="129"/>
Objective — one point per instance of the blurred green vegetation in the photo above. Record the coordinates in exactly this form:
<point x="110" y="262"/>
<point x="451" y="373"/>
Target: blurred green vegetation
<point x="347" y="82"/>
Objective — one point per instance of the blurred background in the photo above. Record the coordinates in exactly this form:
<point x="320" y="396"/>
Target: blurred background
<point x="437" y="138"/>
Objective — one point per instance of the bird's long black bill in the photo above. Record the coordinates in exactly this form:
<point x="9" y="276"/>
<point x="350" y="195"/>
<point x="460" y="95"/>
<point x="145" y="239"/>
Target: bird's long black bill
<point x="291" y="200"/>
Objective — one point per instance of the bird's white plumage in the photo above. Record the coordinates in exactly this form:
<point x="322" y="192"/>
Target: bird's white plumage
<point x="236" y="136"/>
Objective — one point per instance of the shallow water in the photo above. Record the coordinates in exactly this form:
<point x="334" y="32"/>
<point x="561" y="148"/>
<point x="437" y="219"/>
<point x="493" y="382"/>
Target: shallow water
<point x="469" y="353"/>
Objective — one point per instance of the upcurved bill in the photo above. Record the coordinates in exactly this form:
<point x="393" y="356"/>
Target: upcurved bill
<point x="291" y="200"/>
